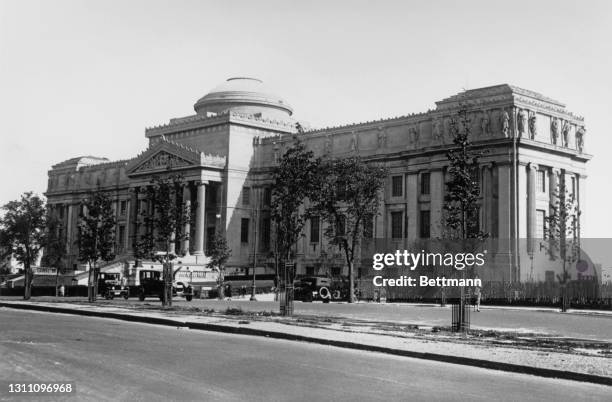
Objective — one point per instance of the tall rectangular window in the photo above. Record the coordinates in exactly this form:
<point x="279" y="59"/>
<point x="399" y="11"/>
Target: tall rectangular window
<point x="123" y="207"/>
<point x="246" y="196"/>
<point x="314" y="229"/>
<point x="265" y="234"/>
<point x="244" y="230"/>
<point x="425" y="183"/>
<point x="425" y="225"/>
<point x="541" y="181"/>
<point x="267" y="196"/>
<point x="574" y="186"/>
<point x="121" y="239"/>
<point x="397" y="188"/>
<point x="397" y="225"/>
<point x="341" y="226"/>
<point x="540" y="228"/>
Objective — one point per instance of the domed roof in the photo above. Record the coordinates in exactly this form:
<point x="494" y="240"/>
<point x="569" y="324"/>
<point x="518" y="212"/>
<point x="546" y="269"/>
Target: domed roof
<point x="243" y="94"/>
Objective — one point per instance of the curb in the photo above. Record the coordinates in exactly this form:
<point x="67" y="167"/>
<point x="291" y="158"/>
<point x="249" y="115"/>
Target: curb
<point x="466" y="361"/>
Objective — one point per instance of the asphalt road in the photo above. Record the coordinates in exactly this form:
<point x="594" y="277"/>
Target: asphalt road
<point x="115" y="360"/>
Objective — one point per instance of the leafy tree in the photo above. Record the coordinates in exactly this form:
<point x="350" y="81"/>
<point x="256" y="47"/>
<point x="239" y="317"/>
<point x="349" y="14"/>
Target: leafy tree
<point x="295" y="181"/>
<point x="562" y="232"/>
<point x="96" y="239"/>
<point x="55" y="247"/>
<point x="347" y="198"/>
<point x="23" y="227"/>
<point x="165" y="223"/>
<point x="461" y="204"/>
<point x="219" y="253"/>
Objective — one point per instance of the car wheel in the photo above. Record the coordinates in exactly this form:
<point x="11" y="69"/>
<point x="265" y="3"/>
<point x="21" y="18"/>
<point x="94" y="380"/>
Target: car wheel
<point x="141" y="296"/>
<point x="125" y="296"/>
<point x="110" y="296"/>
<point x="188" y="297"/>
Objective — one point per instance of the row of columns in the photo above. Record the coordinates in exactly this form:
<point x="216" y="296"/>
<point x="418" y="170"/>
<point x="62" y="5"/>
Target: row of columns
<point x="200" y="219"/>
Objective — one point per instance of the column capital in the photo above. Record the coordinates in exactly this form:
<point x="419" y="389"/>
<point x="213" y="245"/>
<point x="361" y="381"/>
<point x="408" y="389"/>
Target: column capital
<point x="532" y="166"/>
<point x="201" y="182"/>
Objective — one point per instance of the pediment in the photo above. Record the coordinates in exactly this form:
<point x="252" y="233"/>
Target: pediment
<point x="162" y="160"/>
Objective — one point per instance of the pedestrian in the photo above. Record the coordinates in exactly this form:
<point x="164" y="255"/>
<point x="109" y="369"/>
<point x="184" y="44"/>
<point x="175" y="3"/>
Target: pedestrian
<point x="228" y="291"/>
<point x="477" y="292"/>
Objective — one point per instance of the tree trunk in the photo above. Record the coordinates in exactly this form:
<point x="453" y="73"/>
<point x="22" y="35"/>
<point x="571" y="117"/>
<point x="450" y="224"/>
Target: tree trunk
<point x="349" y="263"/>
<point x="27" y="281"/>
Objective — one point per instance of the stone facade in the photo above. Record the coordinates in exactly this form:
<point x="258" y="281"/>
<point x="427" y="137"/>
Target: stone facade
<point x="227" y="151"/>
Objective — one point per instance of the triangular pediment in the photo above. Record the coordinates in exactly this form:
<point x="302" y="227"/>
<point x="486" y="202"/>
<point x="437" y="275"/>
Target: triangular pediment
<point x="163" y="157"/>
<point x="162" y="160"/>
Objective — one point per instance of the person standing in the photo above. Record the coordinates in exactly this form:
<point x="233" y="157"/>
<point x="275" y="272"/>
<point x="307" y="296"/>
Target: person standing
<point x="477" y="292"/>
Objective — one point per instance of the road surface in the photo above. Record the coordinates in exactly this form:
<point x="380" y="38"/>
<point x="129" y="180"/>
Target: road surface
<point x="117" y="360"/>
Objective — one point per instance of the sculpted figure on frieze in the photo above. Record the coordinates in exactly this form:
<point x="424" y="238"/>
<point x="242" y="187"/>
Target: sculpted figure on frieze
<point x="504" y="121"/>
<point x="521" y="121"/>
<point x="438" y="135"/>
<point x="382" y="138"/>
<point x="565" y="133"/>
<point x="532" y="125"/>
<point x="485" y="124"/>
<point x="580" y="133"/>
<point x="554" y="130"/>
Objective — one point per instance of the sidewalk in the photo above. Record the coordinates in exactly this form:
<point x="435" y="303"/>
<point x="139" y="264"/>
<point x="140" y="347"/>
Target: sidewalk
<point x="582" y="362"/>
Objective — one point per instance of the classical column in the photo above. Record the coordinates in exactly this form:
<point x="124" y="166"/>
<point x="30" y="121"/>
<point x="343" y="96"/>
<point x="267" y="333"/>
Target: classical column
<point x="69" y="229"/>
<point x="200" y="220"/>
<point x="187" y="227"/>
<point x="132" y="220"/>
<point x="531" y="206"/>
<point x="487" y="199"/>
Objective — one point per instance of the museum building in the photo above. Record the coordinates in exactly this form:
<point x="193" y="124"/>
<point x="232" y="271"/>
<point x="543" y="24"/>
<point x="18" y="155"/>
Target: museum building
<point x="227" y="150"/>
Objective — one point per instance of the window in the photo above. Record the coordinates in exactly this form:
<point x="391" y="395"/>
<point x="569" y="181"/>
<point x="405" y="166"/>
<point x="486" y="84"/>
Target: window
<point x="122" y="207"/>
<point x="368" y="227"/>
<point x="310" y="271"/>
<point x="210" y="236"/>
<point x="121" y="237"/>
<point x="397" y="188"/>
<point x="244" y="230"/>
<point x="425" y="183"/>
<point x="265" y="234"/>
<point x="397" y="220"/>
<point x="541" y="181"/>
<point x="246" y="196"/>
<point x="341" y="226"/>
<point x="425" y="225"/>
<point x="314" y="229"/>
<point x="336" y="271"/>
<point x="268" y="196"/>
<point x="540" y="229"/>
<point x="573" y="186"/>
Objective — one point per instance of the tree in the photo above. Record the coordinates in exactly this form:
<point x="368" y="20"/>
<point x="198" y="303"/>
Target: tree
<point x="96" y="238"/>
<point x="562" y="232"/>
<point x="165" y="222"/>
<point x="55" y="247"/>
<point x="23" y="228"/>
<point x="347" y="199"/>
<point x="295" y="182"/>
<point x="219" y="253"/>
<point x="461" y="205"/>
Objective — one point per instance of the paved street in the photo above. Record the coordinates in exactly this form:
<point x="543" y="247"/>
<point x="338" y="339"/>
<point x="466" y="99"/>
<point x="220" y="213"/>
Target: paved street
<point x="116" y="360"/>
<point x="584" y="326"/>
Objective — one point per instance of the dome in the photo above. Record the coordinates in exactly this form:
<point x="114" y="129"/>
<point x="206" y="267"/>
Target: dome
<point x="245" y="95"/>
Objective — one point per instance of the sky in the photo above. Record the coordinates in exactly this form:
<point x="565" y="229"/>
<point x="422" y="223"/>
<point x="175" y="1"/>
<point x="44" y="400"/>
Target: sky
<point x="86" y="77"/>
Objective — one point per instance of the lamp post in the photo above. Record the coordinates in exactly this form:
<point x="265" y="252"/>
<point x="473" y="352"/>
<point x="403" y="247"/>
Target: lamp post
<point x="255" y="213"/>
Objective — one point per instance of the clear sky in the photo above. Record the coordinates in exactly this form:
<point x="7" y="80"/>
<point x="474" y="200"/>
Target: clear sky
<point x="86" y="77"/>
